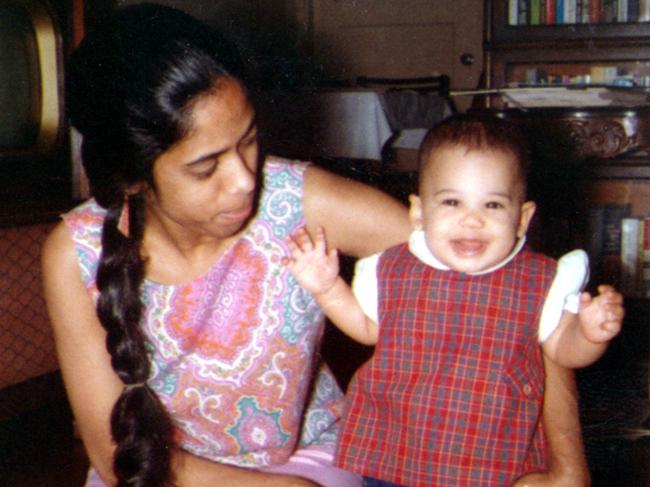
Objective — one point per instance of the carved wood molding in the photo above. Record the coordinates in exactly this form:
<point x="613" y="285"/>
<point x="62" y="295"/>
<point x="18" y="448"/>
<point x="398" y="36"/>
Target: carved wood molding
<point x="604" y="137"/>
<point x="591" y="132"/>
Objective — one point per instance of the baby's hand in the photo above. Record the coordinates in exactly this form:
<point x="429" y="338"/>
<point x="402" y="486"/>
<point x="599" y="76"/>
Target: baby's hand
<point x="315" y="268"/>
<point x="601" y="316"/>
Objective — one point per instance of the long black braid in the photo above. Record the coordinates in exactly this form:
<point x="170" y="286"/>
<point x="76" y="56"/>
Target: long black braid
<point x="129" y="91"/>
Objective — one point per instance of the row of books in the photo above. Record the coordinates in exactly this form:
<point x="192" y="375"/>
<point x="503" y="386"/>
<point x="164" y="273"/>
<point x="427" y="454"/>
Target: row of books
<point x="596" y="74"/>
<point x="551" y="12"/>
<point x="619" y="249"/>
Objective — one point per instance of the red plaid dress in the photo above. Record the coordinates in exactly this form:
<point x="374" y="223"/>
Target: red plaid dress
<point x="452" y="395"/>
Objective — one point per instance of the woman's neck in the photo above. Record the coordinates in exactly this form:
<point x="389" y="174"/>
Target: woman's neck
<point x="175" y="255"/>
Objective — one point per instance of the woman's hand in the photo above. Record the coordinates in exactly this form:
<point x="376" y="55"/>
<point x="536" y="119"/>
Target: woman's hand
<point x="553" y="479"/>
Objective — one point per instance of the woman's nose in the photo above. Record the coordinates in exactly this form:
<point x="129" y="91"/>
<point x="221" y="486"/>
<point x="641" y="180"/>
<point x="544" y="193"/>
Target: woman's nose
<point x="241" y="175"/>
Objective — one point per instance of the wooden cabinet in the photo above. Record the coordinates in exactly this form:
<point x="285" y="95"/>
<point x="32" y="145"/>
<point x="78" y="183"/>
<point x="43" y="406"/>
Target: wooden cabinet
<point x="587" y="157"/>
<point x="604" y="146"/>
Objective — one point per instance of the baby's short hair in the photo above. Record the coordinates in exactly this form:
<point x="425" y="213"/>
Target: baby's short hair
<point x="477" y="131"/>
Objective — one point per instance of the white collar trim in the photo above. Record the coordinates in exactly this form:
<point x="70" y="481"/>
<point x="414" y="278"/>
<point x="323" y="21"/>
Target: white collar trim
<point x="419" y="248"/>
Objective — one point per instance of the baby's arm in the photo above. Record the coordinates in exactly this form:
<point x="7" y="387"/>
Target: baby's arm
<point x="317" y="269"/>
<point x="581" y="339"/>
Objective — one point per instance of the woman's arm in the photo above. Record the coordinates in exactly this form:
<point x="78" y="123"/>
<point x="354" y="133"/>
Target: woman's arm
<point x="93" y="387"/>
<point x="358" y="220"/>
<point x="567" y="462"/>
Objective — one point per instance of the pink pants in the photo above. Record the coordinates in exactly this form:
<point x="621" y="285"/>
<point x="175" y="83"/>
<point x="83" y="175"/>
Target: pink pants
<point x="310" y="463"/>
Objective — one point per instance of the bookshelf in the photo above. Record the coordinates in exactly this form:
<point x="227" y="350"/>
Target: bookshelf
<point x="598" y="152"/>
<point x="603" y="52"/>
<point x="588" y="162"/>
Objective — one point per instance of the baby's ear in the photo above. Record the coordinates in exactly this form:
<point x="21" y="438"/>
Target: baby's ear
<point x="526" y="215"/>
<point x="415" y="212"/>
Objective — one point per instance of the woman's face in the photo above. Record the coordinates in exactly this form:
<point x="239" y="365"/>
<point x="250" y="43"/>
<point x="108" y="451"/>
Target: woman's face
<point x="205" y="184"/>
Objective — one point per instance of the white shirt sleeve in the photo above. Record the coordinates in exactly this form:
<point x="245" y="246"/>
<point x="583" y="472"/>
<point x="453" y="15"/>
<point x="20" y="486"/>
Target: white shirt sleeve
<point x="364" y="285"/>
<point x="570" y="280"/>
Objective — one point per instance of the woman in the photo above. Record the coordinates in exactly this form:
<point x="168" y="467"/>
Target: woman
<point x="186" y="348"/>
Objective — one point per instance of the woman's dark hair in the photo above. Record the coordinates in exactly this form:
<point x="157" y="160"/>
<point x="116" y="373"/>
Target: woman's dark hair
<point x="130" y="88"/>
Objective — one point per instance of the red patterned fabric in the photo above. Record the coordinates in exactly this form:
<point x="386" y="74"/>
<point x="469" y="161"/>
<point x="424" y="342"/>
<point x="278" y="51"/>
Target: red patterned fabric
<point x="452" y="395"/>
<point x="26" y="342"/>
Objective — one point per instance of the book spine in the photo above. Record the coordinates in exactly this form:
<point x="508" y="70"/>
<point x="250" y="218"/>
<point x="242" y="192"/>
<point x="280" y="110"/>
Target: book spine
<point x="594" y="243"/>
<point x="596" y="11"/>
<point x="559" y="11"/>
<point x="644" y="10"/>
<point x="513" y="12"/>
<point x="610" y="10"/>
<point x="578" y="11"/>
<point x="586" y="11"/>
<point x="621" y="11"/>
<point x="523" y="12"/>
<point x="611" y="252"/>
<point x="550" y="12"/>
<point x="631" y="256"/>
<point x="645" y="258"/>
<point x="569" y="11"/>
<point x="534" y="12"/>
<point x="633" y="10"/>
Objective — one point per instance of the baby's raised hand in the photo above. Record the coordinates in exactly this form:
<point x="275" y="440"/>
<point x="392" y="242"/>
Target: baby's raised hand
<point x="601" y="316"/>
<point x="314" y="267"/>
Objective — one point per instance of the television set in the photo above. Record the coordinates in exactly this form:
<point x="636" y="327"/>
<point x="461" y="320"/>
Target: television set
<point x="34" y="158"/>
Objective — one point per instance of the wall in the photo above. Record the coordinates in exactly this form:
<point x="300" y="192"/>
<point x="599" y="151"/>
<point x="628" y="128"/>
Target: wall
<point x="26" y="342"/>
<point x="303" y="41"/>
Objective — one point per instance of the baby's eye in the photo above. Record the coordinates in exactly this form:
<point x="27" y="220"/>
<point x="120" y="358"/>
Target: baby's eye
<point x="494" y="205"/>
<point x="450" y="202"/>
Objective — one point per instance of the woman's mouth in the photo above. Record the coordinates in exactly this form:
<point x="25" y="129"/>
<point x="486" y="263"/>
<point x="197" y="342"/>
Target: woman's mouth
<point x="238" y="214"/>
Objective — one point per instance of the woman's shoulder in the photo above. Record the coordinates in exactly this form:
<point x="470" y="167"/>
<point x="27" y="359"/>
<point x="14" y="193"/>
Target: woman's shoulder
<point x="85" y="221"/>
<point x="58" y="252"/>
<point x="76" y="240"/>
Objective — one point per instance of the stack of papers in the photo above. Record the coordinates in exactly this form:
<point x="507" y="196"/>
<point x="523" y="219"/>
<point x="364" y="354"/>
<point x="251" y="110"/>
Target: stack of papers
<point x="570" y="96"/>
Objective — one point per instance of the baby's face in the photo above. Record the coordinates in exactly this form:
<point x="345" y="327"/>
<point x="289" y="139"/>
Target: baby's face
<point x="471" y="207"/>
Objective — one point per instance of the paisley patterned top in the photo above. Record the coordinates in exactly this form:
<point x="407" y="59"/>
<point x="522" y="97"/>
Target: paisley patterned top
<point x="234" y="352"/>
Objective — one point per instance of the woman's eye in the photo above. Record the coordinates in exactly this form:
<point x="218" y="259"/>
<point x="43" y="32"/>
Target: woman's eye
<point x="249" y="139"/>
<point x="206" y="172"/>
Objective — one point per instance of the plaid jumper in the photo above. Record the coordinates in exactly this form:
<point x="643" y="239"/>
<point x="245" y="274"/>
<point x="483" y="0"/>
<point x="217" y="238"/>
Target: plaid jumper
<point x="452" y="395"/>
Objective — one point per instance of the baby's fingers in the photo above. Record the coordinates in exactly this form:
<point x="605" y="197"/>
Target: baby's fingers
<point x="293" y="247"/>
<point x="302" y="239"/>
<point x="612" y="327"/>
<point x="319" y="241"/>
<point x="609" y="294"/>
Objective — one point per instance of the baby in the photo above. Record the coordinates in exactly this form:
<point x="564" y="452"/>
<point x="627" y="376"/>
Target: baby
<point x="453" y="392"/>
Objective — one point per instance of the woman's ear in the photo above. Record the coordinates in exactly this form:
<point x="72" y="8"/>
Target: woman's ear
<point x="526" y="215"/>
<point x="415" y="212"/>
<point x="135" y="188"/>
